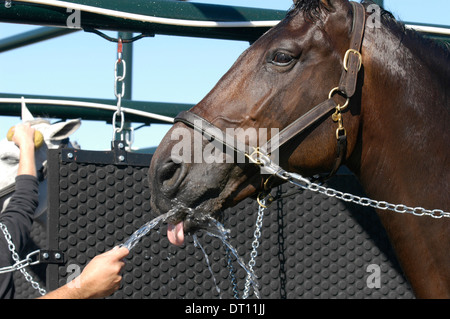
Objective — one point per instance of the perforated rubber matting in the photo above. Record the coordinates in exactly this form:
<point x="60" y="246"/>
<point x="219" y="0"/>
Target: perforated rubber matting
<point x="311" y="246"/>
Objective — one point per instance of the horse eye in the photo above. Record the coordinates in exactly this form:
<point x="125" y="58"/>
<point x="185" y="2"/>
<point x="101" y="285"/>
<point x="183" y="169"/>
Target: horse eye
<point x="281" y="58"/>
<point x="11" y="160"/>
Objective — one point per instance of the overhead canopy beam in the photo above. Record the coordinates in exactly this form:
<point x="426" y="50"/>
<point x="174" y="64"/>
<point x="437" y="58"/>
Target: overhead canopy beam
<point x="91" y="109"/>
<point x="40" y="14"/>
<point x="31" y="37"/>
<point x="29" y="13"/>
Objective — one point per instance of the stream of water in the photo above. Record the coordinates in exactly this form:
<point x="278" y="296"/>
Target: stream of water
<point x="197" y="244"/>
<point x="216" y="230"/>
<point x="134" y="239"/>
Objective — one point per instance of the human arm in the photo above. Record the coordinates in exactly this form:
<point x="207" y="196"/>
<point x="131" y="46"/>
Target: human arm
<point x="24" y="138"/>
<point x="100" y="278"/>
<point x="17" y="217"/>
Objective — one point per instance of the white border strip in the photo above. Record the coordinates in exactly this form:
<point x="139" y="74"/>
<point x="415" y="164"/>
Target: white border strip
<point x="144" y="18"/>
<point x="428" y="29"/>
<point x="107" y="107"/>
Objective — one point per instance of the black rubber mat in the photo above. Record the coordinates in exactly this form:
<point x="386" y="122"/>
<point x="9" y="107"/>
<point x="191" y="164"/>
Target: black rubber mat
<point x="311" y="246"/>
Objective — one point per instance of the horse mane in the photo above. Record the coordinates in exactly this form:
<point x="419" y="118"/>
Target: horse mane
<point x="436" y="53"/>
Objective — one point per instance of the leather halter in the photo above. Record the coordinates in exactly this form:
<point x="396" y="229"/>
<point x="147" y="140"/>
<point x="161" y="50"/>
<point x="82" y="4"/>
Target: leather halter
<point x="347" y="87"/>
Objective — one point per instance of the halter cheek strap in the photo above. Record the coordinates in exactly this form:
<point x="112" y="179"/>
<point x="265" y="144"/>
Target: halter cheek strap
<point x="347" y="86"/>
<point x="212" y="132"/>
<point x="352" y="59"/>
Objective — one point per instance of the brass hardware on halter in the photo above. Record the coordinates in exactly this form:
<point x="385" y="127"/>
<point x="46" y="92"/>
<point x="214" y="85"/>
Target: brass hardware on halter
<point x="337" y="117"/>
<point x="340" y="131"/>
<point x="258" y="157"/>
<point x="338" y="107"/>
<point x="252" y="158"/>
<point x="267" y="185"/>
<point x="346" y="56"/>
<point x="270" y="199"/>
<point x="259" y="200"/>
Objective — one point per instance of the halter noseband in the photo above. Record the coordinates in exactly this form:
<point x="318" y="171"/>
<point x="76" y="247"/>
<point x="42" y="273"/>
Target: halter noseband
<point x="347" y="86"/>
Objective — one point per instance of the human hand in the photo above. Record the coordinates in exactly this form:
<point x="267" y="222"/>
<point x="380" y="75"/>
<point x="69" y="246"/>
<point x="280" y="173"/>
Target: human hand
<point x="22" y="135"/>
<point x="101" y="277"/>
<point x="37" y="136"/>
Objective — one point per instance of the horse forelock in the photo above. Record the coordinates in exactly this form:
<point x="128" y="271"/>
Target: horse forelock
<point x="310" y="8"/>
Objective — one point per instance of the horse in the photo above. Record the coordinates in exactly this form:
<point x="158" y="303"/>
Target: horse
<point x="386" y="91"/>
<point x="55" y="135"/>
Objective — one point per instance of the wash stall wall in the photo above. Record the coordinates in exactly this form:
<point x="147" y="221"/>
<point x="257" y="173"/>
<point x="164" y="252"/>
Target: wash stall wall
<point x="311" y="246"/>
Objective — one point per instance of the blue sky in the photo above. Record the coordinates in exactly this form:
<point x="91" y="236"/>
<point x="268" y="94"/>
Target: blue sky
<point x="166" y="68"/>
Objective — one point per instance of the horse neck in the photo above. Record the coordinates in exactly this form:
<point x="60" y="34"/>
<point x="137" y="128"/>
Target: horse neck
<point x="403" y="155"/>
<point x="404" y="113"/>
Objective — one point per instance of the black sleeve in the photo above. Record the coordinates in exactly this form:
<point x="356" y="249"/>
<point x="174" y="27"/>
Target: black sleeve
<point x="18" y="218"/>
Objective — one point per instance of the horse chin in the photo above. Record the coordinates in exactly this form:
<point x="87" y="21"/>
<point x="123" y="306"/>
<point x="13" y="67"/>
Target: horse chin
<point x="185" y="220"/>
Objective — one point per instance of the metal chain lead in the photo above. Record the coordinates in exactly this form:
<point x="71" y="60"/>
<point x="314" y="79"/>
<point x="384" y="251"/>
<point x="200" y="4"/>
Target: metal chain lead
<point x="255" y="245"/>
<point x="364" y="201"/>
<point x="296" y="179"/>
<point x="19" y="265"/>
<point x="119" y="81"/>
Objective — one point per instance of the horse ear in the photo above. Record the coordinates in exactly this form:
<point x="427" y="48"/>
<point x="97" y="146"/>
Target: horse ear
<point x="26" y="114"/>
<point x="62" y="130"/>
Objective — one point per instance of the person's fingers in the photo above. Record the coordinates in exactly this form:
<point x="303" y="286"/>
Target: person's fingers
<point x="118" y="253"/>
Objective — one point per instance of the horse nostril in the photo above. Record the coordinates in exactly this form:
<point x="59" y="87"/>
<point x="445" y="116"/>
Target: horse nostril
<point x="170" y="176"/>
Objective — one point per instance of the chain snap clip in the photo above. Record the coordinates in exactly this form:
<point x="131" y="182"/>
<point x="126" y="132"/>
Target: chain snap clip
<point x="337" y="116"/>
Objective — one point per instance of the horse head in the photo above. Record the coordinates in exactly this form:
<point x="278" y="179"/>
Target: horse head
<point x="280" y="77"/>
<point x="55" y="135"/>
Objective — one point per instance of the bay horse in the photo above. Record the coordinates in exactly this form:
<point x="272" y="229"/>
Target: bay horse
<point x="394" y="118"/>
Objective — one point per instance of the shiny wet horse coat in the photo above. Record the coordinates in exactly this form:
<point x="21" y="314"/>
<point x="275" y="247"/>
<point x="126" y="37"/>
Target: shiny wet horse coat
<point x="395" y="123"/>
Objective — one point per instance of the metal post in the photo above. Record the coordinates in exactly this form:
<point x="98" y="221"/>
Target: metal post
<point x="128" y="57"/>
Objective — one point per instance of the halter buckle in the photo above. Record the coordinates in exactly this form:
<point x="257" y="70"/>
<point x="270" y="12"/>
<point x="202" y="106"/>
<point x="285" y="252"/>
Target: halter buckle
<point x="346" y="56"/>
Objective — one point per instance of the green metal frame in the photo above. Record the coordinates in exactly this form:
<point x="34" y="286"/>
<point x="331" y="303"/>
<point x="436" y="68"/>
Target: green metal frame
<point x="70" y="112"/>
<point x="57" y="17"/>
<point x="33" y="36"/>
<point x="51" y="16"/>
<point x="42" y="15"/>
